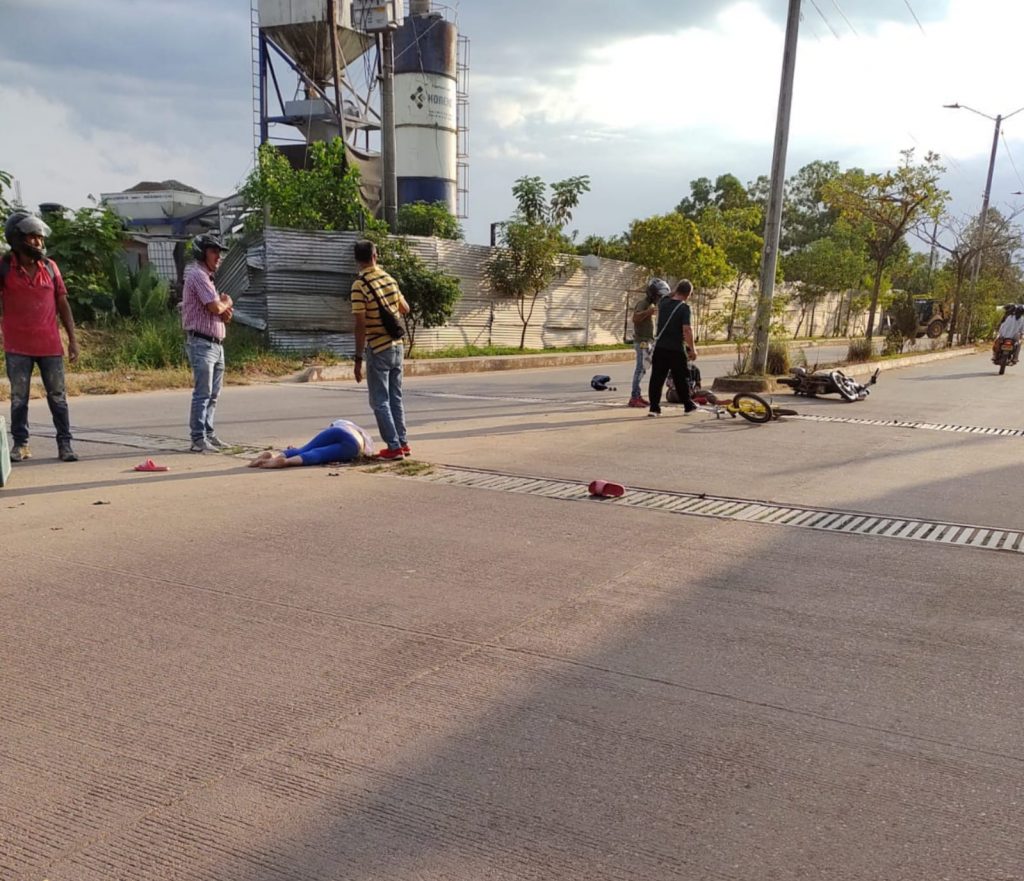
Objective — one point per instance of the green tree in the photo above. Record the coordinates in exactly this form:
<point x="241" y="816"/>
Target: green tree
<point x="737" y="233"/>
<point x="6" y="207"/>
<point x="611" y="248"/>
<point x="430" y="293"/>
<point x="806" y="217"/>
<point x="85" y="243"/>
<point x="887" y="205"/>
<point x="671" y="245"/>
<point x="325" y="196"/>
<point x="833" y="264"/>
<point x="428" y="219"/>
<point x="532" y="247"/>
<point x="726" y="193"/>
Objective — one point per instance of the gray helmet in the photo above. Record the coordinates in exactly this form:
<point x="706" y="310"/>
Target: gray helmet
<point x="658" y="288"/>
<point x="20" y="225"/>
<point x="202" y="243"/>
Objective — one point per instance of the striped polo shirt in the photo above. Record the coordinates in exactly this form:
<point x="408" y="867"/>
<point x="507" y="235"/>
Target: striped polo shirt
<point x="196" y="292"/>
<point x="375" y="281"/>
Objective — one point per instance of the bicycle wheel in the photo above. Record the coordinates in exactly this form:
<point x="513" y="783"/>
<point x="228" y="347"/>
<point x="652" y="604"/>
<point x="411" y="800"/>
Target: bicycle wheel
<point x="752" y="407"/>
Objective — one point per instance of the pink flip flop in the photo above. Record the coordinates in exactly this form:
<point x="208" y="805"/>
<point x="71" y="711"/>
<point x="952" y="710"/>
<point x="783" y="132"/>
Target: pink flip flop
<point x="606" y="490"/>
<point x="150" y="465"/>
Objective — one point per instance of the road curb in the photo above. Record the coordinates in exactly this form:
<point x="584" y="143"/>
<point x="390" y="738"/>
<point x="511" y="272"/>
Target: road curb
<point x="443" y="366"/>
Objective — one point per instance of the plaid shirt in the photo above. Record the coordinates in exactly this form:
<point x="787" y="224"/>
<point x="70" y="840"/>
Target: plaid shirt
<point x="197" y="291"/>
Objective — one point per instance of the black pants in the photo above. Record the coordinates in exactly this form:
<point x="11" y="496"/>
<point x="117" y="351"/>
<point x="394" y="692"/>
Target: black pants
<point x="664" y="362"/>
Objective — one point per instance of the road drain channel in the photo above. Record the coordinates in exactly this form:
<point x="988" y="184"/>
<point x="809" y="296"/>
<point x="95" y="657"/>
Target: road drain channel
<point x="927" y="426"/>
<point x="746" y="510"/>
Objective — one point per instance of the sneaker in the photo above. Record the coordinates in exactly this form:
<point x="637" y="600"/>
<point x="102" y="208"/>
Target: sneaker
<point x="215" y="441"/>
<point x="639" y="402"/>
<point x="690" y="407"/>
<point x="202" y="446"/>
<point x="20" y="452"/>
<point x="391" y="454"/>
<point x="406" y="449"/>
<point x="66" y="454"/>
<point x="654" y="413"/>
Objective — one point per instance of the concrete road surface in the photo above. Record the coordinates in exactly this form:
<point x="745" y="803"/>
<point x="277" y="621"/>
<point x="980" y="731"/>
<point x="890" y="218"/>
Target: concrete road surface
<point x="790" y="651"/>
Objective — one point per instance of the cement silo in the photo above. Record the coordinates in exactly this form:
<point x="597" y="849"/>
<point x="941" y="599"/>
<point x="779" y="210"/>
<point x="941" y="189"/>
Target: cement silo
<point x="426" y="109"/>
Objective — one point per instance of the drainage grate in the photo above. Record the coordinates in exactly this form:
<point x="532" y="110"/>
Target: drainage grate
<point x="927" y="426"/>
<point x="746" y="510"/>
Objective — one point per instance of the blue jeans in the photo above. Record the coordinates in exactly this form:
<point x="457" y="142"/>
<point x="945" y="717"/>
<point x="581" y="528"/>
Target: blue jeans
<point x="640" y="369"/>
<point x="384" y="381"/>
<point x="51" y="369"/>
<point x="330" y="445"/>
<point x="207" y="360"/>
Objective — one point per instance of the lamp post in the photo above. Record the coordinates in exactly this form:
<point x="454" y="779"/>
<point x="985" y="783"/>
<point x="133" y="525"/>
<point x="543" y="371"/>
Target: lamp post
<point x="998" y="120"/>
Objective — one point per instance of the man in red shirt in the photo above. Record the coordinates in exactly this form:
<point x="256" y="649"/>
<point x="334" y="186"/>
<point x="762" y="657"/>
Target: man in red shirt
<point x="32" y="296"/>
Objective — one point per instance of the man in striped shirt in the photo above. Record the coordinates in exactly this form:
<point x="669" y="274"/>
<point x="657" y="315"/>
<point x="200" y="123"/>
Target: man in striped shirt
<point x="204" y="315"/>
<point x="372" y="291"/>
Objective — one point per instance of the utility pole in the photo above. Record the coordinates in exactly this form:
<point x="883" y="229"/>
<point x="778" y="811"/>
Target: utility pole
<point x="773" y="221"/>
<point x="387" y="107"/>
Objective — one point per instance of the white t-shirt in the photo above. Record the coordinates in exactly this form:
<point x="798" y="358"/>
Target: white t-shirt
<point x="366" y="442"/>
<point x="1012" y="327"/>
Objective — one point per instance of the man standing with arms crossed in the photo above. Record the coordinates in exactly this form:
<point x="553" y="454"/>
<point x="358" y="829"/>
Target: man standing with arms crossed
<point x="204" y="315"/>
<point x="373" y="292"/>
<point x="32" y="295"/>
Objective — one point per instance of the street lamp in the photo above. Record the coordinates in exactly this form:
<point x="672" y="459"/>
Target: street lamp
<point x="998" y="120"/>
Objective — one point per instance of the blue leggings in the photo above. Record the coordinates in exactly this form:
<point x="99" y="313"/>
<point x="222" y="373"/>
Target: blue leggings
<point x="331" y="445"/>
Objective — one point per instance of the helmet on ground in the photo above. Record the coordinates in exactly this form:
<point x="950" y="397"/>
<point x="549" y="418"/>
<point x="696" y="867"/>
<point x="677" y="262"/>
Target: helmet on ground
<point x="20" y="225"/>
<point x="599" y="383"/>
<point x="202" y="243"/>
<point x="658" y="288"/>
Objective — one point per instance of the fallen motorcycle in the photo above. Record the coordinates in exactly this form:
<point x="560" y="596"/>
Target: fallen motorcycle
<point x="827" y="382"/>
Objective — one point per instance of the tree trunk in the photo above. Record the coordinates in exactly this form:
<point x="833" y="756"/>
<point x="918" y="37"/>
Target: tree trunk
<point x="732" y="315"/>
<point x="875" y="288"/>
<point x="955" y="317"/>
<point x="810" y="330"/>
<point x="800" y="323"/>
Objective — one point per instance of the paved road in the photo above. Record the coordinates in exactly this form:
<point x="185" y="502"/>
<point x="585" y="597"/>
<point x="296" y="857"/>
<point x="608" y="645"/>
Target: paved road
<point x="333" y="673"/>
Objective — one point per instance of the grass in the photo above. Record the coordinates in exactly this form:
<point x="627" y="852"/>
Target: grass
<point x="491" y="351"/>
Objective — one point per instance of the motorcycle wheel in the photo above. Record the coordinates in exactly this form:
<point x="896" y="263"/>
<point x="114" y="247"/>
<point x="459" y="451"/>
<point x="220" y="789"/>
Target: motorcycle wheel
<point x="846" y="387"/>
<point x="1002" y="366"/>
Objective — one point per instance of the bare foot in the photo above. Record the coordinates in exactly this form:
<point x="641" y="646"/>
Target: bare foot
<point x="277" y="461"/>
<point x="262" y="457"/>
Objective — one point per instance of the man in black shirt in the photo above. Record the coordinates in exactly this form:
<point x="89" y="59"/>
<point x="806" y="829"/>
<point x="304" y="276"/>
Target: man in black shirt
<point x="672" y="347"/>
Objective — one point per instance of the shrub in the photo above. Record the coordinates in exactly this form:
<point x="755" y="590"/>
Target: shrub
<point x="860" y="350"/>
<point x="778" y="358"/>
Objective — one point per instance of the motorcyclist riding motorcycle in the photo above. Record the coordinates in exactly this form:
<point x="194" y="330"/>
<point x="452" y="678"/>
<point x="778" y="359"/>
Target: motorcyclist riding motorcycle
<point x="1011" y="328"/>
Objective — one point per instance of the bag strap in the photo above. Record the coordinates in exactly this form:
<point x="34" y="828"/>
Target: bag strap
<point x="376" y="296"/>
<point x="671" y="315"/>
<point x="5" y="268"/>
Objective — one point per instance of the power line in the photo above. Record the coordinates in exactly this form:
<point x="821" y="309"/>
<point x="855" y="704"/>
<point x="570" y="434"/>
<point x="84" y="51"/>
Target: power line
<point x="1006" y="143"/>
<point x="849" y="24"/>
<point x="828" y="24"/>
<point x="911" y="8"/>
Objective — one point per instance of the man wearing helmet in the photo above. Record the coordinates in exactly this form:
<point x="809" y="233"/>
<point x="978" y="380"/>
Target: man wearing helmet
<point x="643" y="334"/>
<point x="1011" y="328"/>
<point x="204" y="316"/>
<point x="32" y="297"/>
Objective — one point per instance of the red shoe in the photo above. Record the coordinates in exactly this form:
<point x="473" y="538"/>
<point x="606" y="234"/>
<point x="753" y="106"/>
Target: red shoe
<point x="391" y="454"/>
<point x="639" y="402"/>
<point x="405" y="449"/>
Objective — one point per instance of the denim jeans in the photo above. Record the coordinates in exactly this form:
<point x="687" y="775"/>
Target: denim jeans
<point x="207" y="361"/>
<point x="51" y="369"/>
<point x="641" y="366"/>
<point x="384" y="381"/>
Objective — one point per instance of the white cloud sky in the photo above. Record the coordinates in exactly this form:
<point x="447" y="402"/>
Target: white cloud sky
<point x="691" y="91"/>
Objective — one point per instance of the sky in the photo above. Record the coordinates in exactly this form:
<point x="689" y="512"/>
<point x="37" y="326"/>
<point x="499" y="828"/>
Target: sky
<point x="642" y="97"/>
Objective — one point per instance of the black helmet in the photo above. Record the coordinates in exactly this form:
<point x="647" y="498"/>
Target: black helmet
<point x="599" y="383"/>
<point x="202" y="243"/>
<point x="21" y="224"/>
<point x="658" y="288"/>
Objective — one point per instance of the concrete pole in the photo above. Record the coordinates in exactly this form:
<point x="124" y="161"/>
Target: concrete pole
<point x="773" y="222"/>
<point x="387" y="105"/>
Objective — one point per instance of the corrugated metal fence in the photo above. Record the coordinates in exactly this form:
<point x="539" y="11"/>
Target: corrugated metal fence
<point x="295" y="285"/>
